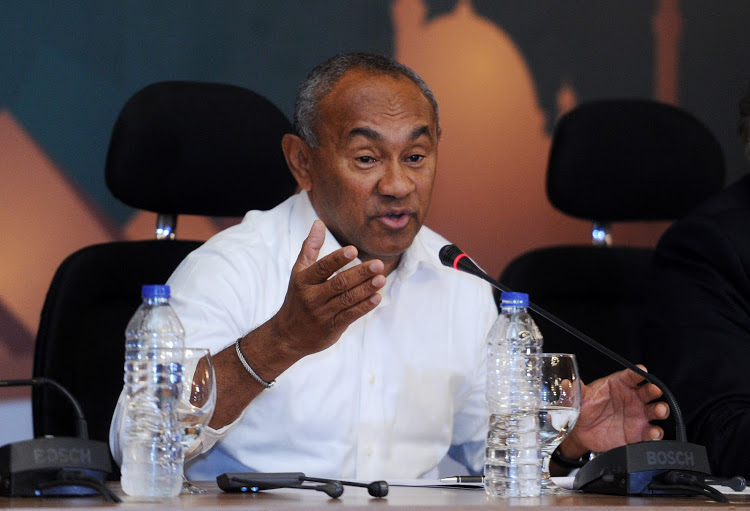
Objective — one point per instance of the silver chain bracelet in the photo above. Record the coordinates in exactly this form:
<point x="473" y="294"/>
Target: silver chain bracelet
<point x="266" y="384"/>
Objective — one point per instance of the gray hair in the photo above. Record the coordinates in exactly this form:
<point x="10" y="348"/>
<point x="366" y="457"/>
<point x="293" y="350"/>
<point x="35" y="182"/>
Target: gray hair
<point x="323" y="77"/>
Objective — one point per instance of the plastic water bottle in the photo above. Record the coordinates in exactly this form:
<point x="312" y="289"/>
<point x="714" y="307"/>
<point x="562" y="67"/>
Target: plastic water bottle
<point x="513" y="449"/>
<point x="149" y="433"/>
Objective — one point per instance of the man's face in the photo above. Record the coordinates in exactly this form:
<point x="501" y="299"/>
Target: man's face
<point x="372" y="174"/>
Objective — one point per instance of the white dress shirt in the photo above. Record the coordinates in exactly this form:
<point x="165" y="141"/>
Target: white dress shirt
<point x="400" y="387"/>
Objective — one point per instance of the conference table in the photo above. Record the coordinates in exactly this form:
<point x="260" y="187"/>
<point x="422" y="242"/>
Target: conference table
<point x="399" y="498"/>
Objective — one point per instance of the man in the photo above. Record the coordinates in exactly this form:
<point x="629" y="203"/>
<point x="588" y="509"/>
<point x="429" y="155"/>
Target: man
<point x="338" y="293"/>
<point x="697" y="328"/>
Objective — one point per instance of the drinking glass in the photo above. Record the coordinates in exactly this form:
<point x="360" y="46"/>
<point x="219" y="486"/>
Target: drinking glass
<point x="558" y="409"/>
<point x="197" y="402"/>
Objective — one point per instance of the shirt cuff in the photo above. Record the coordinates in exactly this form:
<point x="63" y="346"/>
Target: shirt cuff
<point x="208" y="438"/>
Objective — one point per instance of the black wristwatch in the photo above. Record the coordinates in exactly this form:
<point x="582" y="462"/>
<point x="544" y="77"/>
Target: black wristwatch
<point x="564" y="462"/>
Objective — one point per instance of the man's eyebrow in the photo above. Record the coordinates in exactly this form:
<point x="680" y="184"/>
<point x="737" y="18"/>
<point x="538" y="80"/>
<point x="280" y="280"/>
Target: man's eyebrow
<point x="418" y="132"/>
<point x="365" y="132"/>
<point x="374" y="135"/>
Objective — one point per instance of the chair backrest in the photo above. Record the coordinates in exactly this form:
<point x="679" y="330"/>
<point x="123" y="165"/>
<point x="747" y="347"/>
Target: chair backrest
<point x="176" y="148"/>
<point x="195" y="148"/>
<point x="81" y="338"/>
<point x="613" y="161"/>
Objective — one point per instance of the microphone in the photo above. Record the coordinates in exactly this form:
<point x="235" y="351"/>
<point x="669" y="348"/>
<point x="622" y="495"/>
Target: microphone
<point x="82" y="430"/>
<point x="55" y="466"/>
<point x="630" y="469"/>
<point x="332" y="488"/>
<point x="253" y="482"/>
<point x="451" y="255"/>
<point x="377" y="489"/>
<point x="736" y="483"/>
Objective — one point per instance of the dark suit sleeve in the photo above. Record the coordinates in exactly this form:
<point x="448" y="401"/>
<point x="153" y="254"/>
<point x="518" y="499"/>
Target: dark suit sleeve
<point x="696" y="333"/>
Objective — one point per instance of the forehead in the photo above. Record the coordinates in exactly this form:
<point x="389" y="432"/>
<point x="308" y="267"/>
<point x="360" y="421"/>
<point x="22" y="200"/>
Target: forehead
<point x="376" y="100"/>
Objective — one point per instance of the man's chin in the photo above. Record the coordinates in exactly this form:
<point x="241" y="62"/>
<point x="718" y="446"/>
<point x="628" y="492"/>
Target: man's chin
<point x="390" y="251"/>
<point x="389" y="245"/>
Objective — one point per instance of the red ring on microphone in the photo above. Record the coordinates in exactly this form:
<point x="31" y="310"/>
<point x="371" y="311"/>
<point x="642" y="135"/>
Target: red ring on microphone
<point x="457" y="259"/>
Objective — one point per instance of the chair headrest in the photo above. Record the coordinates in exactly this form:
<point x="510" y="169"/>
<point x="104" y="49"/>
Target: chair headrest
<point x="199" y="148"/>
<point x="626" y="160"/>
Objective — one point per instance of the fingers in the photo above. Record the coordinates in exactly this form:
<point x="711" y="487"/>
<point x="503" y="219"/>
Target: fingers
<point x="313" y="271"/>
<point x="330" y="299"/>
<point x="657" y="411"/>
<point x="346" y="281"/>
<point x="349" y="287"/>
<point x="354" y="292"/>
<point x="654" y="433"/>
<point x="327" y="266"/>
<point x="649" y="392"/>
<point x="646" y="391"/>
<point x="346" y="315"/>
<point x="634" y="378"/>
<point x="311" y="247"/>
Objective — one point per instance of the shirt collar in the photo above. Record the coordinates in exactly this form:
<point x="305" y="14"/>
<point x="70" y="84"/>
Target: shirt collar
<point x="418" y="256"/>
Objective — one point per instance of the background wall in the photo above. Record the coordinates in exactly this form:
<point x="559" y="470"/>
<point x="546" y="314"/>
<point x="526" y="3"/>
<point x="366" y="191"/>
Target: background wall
<point x="502" y="71"/>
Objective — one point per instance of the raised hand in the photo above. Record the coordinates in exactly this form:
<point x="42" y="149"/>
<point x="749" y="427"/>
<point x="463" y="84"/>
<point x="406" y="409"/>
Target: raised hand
<point x="320" y="303"/>
<point x="616" y="410"/>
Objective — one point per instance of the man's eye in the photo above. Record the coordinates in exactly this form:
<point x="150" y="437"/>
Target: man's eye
<point x="415" y="158"/>
<point x="366" y="159"/>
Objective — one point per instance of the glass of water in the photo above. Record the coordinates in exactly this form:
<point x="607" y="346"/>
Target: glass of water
<point x="197" y="403"/>
<point x="559" y="407"/>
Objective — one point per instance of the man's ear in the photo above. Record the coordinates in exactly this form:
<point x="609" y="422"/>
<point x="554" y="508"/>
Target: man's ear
<point x="298" y="158"/>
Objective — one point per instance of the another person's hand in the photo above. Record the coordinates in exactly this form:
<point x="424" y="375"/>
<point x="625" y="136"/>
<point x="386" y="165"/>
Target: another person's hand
<point x="615" y="410"/>
<point x="321" y="304"/>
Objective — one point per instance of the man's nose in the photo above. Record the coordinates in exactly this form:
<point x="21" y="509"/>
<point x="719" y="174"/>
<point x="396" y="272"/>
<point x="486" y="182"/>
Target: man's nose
<point x="396" y="181"/>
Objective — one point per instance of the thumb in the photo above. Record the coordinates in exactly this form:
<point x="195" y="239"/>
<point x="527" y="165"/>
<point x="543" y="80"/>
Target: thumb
<point x="311" y="246"/>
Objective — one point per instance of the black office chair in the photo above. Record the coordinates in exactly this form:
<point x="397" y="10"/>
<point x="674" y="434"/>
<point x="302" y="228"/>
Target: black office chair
<point x="176" y="148"/>
<point x="613" y="161"/>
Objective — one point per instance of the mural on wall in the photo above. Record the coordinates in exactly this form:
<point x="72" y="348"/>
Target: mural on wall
<point x="497" y="109"/>
<point x="44" y="217"/>
<point x="488" y="97"/>
<point x="490" y="194"/>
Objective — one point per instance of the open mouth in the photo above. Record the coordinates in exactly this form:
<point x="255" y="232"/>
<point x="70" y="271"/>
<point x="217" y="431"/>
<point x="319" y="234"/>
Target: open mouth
<point x="395" y="221"/>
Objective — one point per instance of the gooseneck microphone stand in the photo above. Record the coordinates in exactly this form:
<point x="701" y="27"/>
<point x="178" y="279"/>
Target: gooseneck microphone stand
<point x="673" y="467"/>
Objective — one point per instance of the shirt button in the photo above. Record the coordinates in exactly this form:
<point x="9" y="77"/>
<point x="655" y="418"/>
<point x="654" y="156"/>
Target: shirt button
<point x="368" y="451"/>
<point x="371" y="378"/>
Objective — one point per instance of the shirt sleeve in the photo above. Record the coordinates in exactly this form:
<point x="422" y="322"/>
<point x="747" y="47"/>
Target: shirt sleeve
<point x="207" y="302"/>
<point x="208" y="438"/>
<point x="216" y="294"/>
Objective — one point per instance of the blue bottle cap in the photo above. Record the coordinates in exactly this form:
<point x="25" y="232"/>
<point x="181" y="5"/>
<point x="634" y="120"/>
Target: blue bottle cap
<point x="514" y="298"/>
<point x="155" y="291"/>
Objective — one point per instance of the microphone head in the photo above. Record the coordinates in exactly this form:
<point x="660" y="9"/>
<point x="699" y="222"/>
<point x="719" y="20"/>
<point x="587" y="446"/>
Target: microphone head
<point x="334" y="489"/>
<point x="451" y="255"/>
<point x="378" y="488"/>
<point x="736" y="483"/>
<point x="448" y="254"/>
